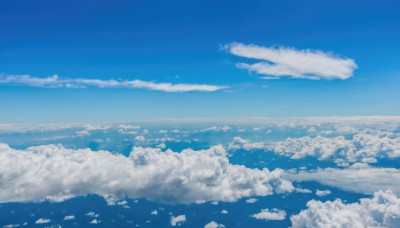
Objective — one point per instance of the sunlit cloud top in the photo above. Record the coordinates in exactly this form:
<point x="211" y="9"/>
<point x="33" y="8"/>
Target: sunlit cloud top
<point x="278" y="62"/>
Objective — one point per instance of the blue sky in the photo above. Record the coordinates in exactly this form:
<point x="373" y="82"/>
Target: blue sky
<point x="181" y="42"/>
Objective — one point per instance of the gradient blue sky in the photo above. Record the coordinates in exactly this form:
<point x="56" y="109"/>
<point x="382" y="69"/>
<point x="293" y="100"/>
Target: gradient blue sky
<point x="180" y="42"/>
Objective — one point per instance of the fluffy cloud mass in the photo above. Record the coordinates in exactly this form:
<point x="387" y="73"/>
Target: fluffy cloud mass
<point x="55" y="173"/>
<point x="358" y="178"/>
<point x="274" y="214"/>
<point x="362" y="147"/>
<point x="56" y="82"/>
<point x="383" y="210"/>
<point x="288" y="62"/>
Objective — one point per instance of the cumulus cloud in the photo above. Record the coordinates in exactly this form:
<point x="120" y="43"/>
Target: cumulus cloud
<point x="177" y="220"/>
<point x="362" y="147"/>
<point x="55" y="173"/>
<point x="274" y="214"/>
<point x="322" y="193"/>
<point x="357" y="178"/>
<point x="56" y="82"/>
<point x="140" y="138"/>
<point x="42" y="221"/>
<point x="383" y="210"/>
<point x="69" y="217"/>
<point x="251" y="200"/>
<point x="278" y="62"/>
<point x="213" y="224"/>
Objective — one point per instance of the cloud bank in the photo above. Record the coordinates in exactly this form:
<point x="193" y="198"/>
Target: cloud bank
<point x="278" y="62"/>
<point x="362" y="147"/>
<point x="55" y="173"/>
<point x="359" y="178"/>
<point x="383" y="210"/>
<point x="56" y="82"/>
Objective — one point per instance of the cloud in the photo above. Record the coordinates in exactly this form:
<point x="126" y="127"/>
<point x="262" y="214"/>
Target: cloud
<point x="362" y="147"/>
<point x="322" y="193"/>
<point x="251" y="200"/>
<point x="278" y="62"/>
<point x="383" y="210"/>
<point x="357" y="178"/>
<point x="42" y="221"/>
<point x="177" y="220"/>
<point x="274" y="214"/>
<point x="55" y="173"/>
<point x="56" y="82"/>
<point x="140" y="138"/>
<point x="213" y="224"/>
<point x="69" y="217"/>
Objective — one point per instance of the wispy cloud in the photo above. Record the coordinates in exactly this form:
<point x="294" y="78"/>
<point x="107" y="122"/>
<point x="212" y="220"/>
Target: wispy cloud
<point x="288" y="62"/>
<point x="56" y="82"/>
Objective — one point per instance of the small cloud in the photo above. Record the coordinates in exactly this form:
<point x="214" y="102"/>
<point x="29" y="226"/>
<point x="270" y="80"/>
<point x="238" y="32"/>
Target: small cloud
<point x="322" y="193"/>
<point x="213" y="224"/>
<point x="155" y="212"/>
<point x="69" y="217"/>
<point x="92" y="214"/>
<point x="140" y="138"/>
<point x="42" y="221"/>
<point x="274" y="214"/>
<point x="251" y="200"/>
<point x="177" y="220"/>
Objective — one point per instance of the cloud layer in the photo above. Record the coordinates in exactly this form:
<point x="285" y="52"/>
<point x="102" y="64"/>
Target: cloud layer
<point x="359" y="178"/>
<point x="362" y="147"/>
<point x="383" y="210"/>
<point x="55" y="173"/>
<point x="278" y="62"/>
<point x="56" y="82"/>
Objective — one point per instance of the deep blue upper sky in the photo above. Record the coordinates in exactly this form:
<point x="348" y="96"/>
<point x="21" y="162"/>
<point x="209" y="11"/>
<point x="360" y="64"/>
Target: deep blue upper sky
<point x="180" y="42"/>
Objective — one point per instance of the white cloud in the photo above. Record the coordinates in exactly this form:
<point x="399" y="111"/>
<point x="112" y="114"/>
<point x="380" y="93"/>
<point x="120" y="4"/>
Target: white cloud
<point x="274" y="214"/>
<point x="155" y="212"/>
<point x="69" y="217"/>
<point x="56" y="82"/>
<point x="92" y="214"/>
<point x="322" y="193"/>
<point x="140" y="138"/>
<point x="303" y="190"/>
<point x="383" y="210"/>
<point x="94" y="221"/>
<point x="224" y="212"/>
<point x="357" y="178"/>
<point x="55" y="173"/>
<point x="288" y="62"/>
<point x="162" y="146"/>
<point x="42" y="221"/>
<point x="213" y="224"/>
<point x="362" y="147"/>
<point x="217" y="128"/>
<point x="240" y="143"/>
<point x="251" y="200"/>
<point x="178" y="219"/>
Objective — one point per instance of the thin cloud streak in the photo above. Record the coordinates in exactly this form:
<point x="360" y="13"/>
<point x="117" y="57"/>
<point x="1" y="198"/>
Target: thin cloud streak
<point x="56" y="82"/>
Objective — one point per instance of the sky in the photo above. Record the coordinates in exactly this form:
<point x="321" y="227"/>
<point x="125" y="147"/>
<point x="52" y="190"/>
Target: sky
<point x="112" y="61"/>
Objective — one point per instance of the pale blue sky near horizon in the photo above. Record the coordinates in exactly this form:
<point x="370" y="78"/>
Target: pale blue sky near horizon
<point x="180" y="42"/>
